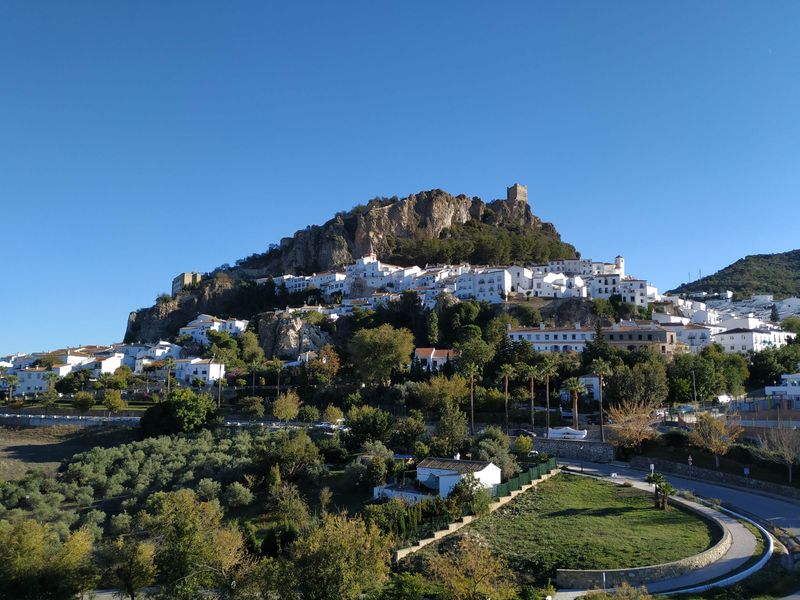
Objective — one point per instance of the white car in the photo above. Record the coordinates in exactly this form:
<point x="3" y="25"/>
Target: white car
<point x="566" y="433"/>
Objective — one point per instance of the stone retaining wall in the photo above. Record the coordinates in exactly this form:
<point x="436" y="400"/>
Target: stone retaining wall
<point x="593" y="451"/>
<point x="711" y="476"/>
<point x="593" y="579"/>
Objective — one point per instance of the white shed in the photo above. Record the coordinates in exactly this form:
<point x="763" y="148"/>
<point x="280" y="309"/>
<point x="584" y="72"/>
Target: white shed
<point x="442" y="474"/>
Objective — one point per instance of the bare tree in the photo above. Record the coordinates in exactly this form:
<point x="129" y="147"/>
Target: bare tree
<point x="782" y="445"/>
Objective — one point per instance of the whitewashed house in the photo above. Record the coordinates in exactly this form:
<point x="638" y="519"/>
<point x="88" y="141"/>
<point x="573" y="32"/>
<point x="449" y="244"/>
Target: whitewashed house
<point x="434" y="359"/>
<point x="442" y="474"/>
<point x="438" y="476"/>
<point x="204" y="369"/>
<point x="752" y="340"/>
<point x="553" y="339"/>
<point x="198" y="328"/>
<point x="31" y="380"/>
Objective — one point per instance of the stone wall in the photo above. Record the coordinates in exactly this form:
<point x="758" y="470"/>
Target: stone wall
<point x="593" y="579"/>
<point x="711" y="476"/>
<point x="593" y="451"/>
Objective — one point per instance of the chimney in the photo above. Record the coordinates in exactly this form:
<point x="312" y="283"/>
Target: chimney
<point x="541" y="326"/>
<point x="577" y="324"/>
<point x="457" y="456"/>
<point x="508" y="326"/>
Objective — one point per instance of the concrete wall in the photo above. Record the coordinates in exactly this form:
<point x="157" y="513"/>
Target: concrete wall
<point x="593" y="579"/>
<point x="668" y="466"/>
<point x="592" y="450"/>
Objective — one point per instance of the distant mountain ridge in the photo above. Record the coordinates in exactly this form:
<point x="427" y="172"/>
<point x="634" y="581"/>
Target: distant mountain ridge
<point x="424" y="228"/>
<point x="777" y="274"/>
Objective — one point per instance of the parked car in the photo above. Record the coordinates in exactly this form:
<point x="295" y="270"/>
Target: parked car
<point x="518" y="432"/>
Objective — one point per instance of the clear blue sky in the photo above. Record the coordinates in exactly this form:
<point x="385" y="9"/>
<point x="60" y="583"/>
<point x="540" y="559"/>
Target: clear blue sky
<point x="138" y="140"/>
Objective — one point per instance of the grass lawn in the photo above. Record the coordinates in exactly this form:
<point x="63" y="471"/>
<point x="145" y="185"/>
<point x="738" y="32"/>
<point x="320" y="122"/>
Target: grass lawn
<point x="574" y="522"/>
<point x="22" y="449"/>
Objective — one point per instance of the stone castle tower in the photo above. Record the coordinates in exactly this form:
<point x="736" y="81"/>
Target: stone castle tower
<point x="517" y="193"/>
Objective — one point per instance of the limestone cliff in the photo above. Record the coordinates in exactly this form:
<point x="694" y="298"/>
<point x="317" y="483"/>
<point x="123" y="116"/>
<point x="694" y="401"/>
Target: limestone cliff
<point x="287" y="336"/>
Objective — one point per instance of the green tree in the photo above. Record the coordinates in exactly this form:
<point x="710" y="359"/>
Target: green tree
<point x="471" y="370"/>
<point x="782" y="445"/>
<point x="432" y="323"/>
<point x="83" y="401"/>
<point x="332" y="414"/>
<point x="470" y="571"/>
<point x="575" y="388"/>
<point x="112" y="400"/>
<point x="11" y="382"/>
<point x="252" y="406"/>
<point x="475" y="352"/>
<point x="324" y="368"/>
<point x="452" y="427"/>
<point x="38" y="565"/>
<point x="275" y="365"/>
<point x="367" y="423"/>
<point x="129" y="565"/>
<point x="376" y="353"/>
<point x="194" y="550"/>
<point x="286" y="406"/>
<point x="506" y="372"/>
<point x="532" y="374"/>
<point x="183" y="411"/>
<point x="343" y="558"/>
<point x="791" y="324"/>
<point x="773" y="315"/>
<point x="549" y="369"/>
<point x="169" y="365"/>
<point x="602" y="369"/>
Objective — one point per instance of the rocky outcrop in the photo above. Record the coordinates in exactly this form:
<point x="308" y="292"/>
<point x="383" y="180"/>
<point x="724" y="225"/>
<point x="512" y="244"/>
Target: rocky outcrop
<point x="376" y="226"/>
<point x="287" y="336"/>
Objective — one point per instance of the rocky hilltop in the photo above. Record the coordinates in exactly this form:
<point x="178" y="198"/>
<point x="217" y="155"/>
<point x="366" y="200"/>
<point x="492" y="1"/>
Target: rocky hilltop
<point x="383" y="224"/>
<point x="427" y="227"/>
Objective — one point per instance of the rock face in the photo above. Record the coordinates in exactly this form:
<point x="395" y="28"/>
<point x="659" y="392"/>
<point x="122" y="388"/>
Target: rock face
<point x="287" y="336"/>
<point x="374" y="227"/>
<point x="163" y="320"/>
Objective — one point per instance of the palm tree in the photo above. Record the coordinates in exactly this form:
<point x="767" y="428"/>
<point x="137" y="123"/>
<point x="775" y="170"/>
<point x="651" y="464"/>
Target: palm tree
<point x="533" y="374"/>
<point x="255" y="365"/>
<point x="506" y="371"/>
<point x="548" y="369"/>
<point x="11" y="383"/>
<point x="276" y="366"/>
<point x="471" y="370"/>
<point x="169" y="364"/>
<point x="575" y="388"/>
<point x="602" y="369"/>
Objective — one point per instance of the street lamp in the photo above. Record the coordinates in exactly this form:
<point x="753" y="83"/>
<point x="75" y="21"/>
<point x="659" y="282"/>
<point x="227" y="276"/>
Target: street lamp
<point x="581" y="449"/>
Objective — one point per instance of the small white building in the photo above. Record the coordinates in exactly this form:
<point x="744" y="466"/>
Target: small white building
<point x="553" y="339"/>
<point x="434" y="359"/>
<point x="31" y="381"/>
<point x="788" y="390"/>
<point x="204" y="369"/>
<point x="752" y="340"/>
<point x="442" y="474"/>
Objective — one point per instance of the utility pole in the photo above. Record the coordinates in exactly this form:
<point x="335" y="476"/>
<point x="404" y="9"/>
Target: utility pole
<point x="694" y="388"/>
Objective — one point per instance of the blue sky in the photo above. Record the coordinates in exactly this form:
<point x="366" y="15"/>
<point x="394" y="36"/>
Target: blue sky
<point x="139" y="140"/>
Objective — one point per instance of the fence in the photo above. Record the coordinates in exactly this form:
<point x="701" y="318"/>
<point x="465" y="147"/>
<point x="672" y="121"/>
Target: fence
<point x="532" y="474"/>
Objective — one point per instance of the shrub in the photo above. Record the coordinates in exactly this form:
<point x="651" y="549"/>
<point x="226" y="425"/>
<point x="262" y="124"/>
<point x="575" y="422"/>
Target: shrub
<point x="308" y="414"/>
<point x="237" y="495"/>
<point x="208" y="489"/>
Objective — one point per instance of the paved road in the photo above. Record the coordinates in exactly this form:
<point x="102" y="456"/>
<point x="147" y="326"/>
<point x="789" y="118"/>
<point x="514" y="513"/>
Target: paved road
<point x="781" y="513"/>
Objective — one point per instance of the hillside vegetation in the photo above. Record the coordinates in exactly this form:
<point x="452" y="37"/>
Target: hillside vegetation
<point x="777" y="274"/>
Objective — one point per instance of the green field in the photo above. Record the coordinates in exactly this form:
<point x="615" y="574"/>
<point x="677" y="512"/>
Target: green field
<point x="580" y="523"/>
